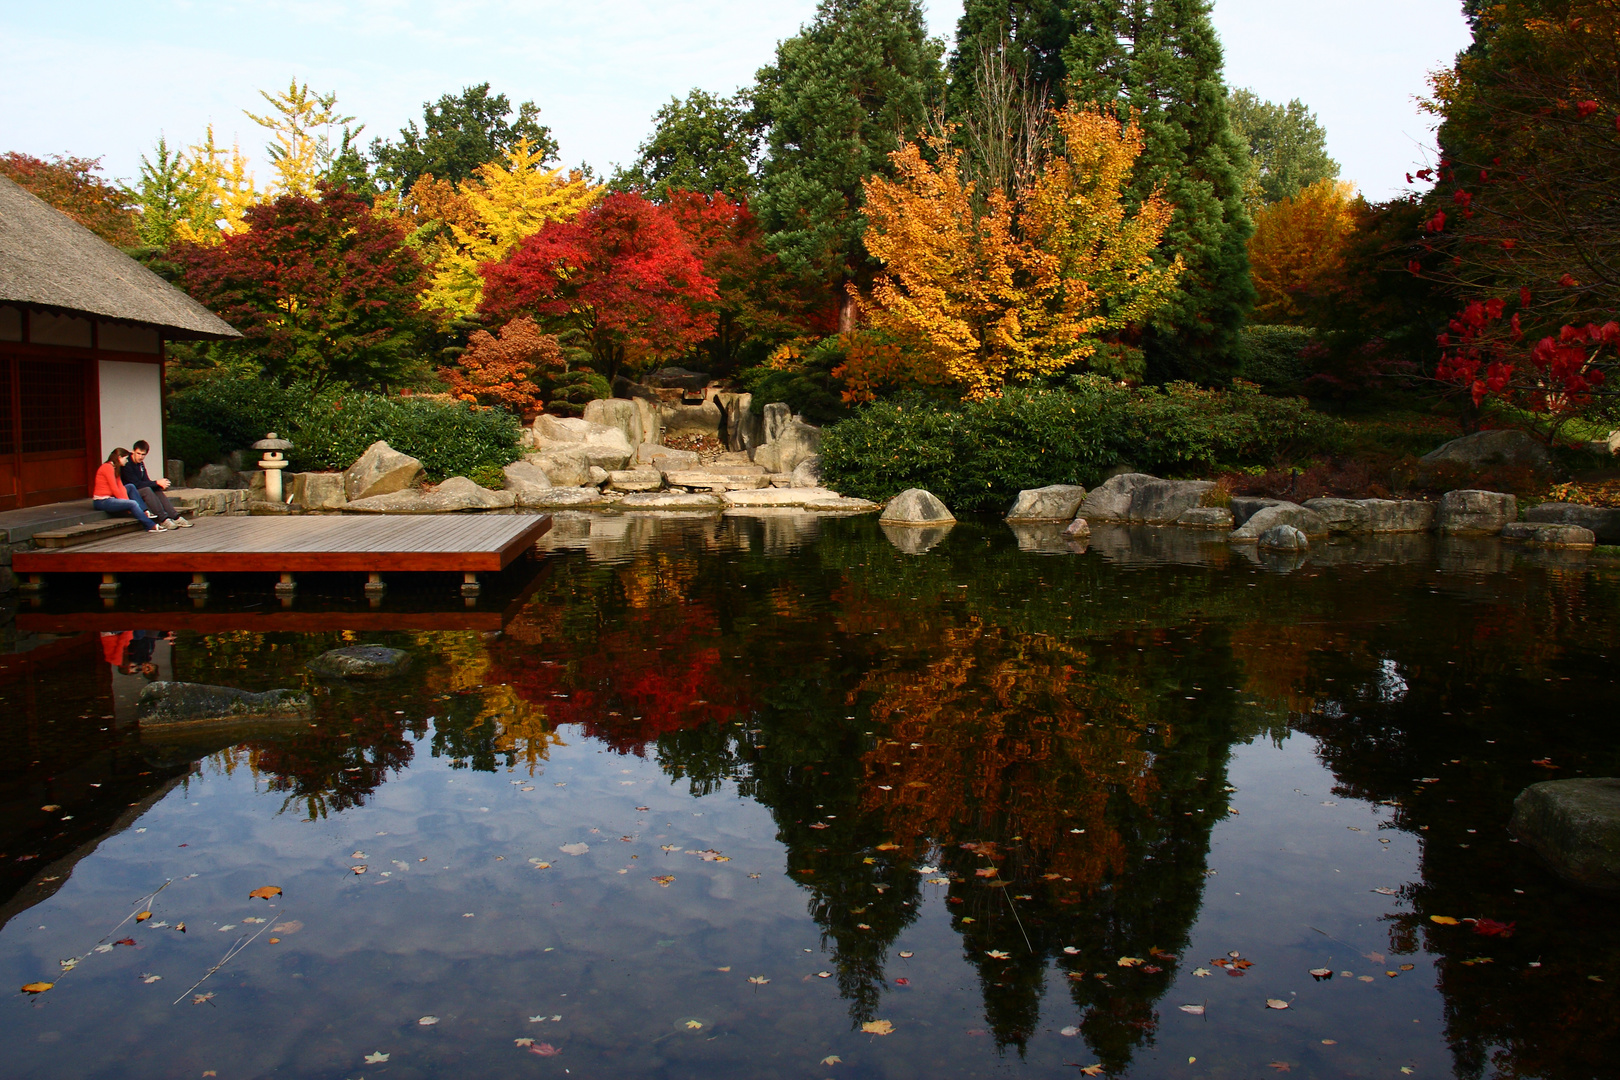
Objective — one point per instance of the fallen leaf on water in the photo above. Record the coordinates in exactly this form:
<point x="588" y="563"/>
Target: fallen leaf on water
<point x="1492" y="928"/>
<point x="574" y="849"/>
<point x="428" y="1021"/>
<point x="693" y="1025"/>
<point x="986" y="871"/>
<point x="823" y="974"/>
<point x="292" y="926"/>
<point x="265" y="893"/>
<point x="907" y="955"/>
<point x="275" y="941"/>
<point x="1128" y="961"/>
<point x="1276" y="1003"/>
<point x="150" y="979"/>
<point x="997" y="954"/>
<point x="1282" y="1066"/>
<point x="202" y="999"/>
<point x="1321" y="973"/>
<point x="1444" y="920"/>
<point x="1091" y="1070"/>
<point x="1071" y="1031"/>
<point x="50" y="808"/>
<point x="1202" y="973"/>
<point x="877" y="1027"/>
<point x="37" y="988"/>
<point x="1386" y="892"/>
<point x="887" y="846"/>
<point x="545" y="1050"/>
<point x="522" y="1042"/>
<point x="726" y="968"/>
<point x="863" y="926"/>
<point x="1364" y="978"/>
<point x="255" y="920"/>
<point x="362" y="868"/>
<point x="664" y="880"/>
<point x="1195" y="1010"/>
<point x="1330" y="1042"/>
<point x="758" y="980"/>
<point x="1407" y="1069"/>
<point x="372" y="1059"/>
<point x="1408" y="967"/>
<point x="902" y="982"/>
<point x="180" y="926"/>
<point x="224" y="929"/>
<point x="143" y="916"/>
<point x="131" y="941"/>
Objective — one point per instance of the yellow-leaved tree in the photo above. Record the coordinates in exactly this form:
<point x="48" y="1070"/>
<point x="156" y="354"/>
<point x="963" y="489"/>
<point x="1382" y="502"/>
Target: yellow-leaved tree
<point x="302" y="124"/>
<point x="217" y="189"/>
<point x="1298" y="243"/>
<point x="1002" y="289"/>
<point x="504" y="203"/>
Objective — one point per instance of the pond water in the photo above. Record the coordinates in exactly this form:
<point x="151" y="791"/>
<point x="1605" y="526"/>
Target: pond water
<point x="772" y="797"/>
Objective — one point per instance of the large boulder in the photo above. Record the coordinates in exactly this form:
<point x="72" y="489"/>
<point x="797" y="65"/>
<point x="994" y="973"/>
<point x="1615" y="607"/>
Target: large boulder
<point x="794" y="441"/>
<point x="715" y="480"/>
<point x="1206" y="517"/>
<point x="1575" y="826"/>
<point x="1306" y="521"/>
<point x="1055" y="502"/>
<point x="318" y="491"/>
<point x="1476" y="511"/>
<point x="664" y="458"/>
<point x="367" y="662"/>
<point x="776" y="417"/>
<point x="622" y="414"/>
<point x="590" y="444"/>
<point x="635" y="480"/>
<point x="680" y="418"/>
<point x="1604" y="522"/>
<point x="807" y="473"/>
<point x="190" y="703"/>
<point x="1244" y="507"/>
<point x="565" y="466"/>
<point x="1111" y="501"/>
<point x="215" y="477"/>
<point x="454" y="495"/>
<point x="1358" y="516"/>
<point x="1544" y="534"/>
<point x="1284" y="538"/>
<point x="744" y="428"/>
<point x="1488" y="449"/>
<point x="523" y="477"/>
<point x="915" y="507"/>
<point x="381" y="470"/>
<point x="1159" y="502"/>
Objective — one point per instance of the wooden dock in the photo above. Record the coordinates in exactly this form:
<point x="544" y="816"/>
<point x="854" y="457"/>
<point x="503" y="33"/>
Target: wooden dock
<point x="373" y="545"/>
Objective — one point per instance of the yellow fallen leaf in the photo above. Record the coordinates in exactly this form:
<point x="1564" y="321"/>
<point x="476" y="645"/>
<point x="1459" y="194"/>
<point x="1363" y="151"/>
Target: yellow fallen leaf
<point x="758" y="980"/>
<point x="888" y="847"/>
<point x="877" y="1027"/>
<point x="376" y="1058"/>
<point x="266" y="893"/>
<point x="726" y="968"/>
<point x="275" y="941"/>
<point x="832" y="1059"/>
<point x="522" y="1042"/>
<point x="986" y="871"/>
<point x="1443" y="920"/>
<point x="37" y="988"/>
<point x="693" y="1025"/>
<point x="1129" y="961"/>
<point x="143" y="916"/>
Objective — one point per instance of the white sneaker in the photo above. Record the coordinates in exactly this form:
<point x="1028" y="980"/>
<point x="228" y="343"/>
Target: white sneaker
<point x="180" y="523"/>
<point x="160" y="527"/>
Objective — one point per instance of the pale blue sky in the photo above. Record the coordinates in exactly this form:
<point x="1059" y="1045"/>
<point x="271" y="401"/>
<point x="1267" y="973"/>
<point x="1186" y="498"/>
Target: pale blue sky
<point x="103" y="78"/>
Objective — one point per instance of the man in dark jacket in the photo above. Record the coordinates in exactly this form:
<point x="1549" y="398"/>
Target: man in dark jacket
<point x="134" y="472"/>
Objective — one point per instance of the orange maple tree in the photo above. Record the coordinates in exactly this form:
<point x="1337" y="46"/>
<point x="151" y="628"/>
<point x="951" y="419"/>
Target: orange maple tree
<point x="501" y="371"/>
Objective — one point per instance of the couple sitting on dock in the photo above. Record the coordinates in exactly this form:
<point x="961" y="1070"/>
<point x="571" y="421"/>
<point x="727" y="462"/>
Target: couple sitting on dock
<point x="123" y="487"/>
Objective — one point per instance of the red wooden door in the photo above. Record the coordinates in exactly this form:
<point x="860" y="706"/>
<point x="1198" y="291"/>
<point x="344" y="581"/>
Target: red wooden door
<point x="44" y="430"/>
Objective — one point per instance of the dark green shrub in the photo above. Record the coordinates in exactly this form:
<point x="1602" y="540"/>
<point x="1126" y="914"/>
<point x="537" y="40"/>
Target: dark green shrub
<point x="238" y="412"/>
<point x="569" y="392"/>
<point x="192" y="445"/>
<point x="492" y="477"/>
<point x="806" y="386"/>
<point x="1274" y="357"/>
<point x="1182" y="427"/>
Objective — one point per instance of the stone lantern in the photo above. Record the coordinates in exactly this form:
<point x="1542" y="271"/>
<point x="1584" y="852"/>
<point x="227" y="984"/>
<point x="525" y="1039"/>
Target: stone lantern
<point x="272" y="463"/>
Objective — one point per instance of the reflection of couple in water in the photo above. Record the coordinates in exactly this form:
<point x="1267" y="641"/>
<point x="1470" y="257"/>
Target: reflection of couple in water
<point x="130" y="651"/>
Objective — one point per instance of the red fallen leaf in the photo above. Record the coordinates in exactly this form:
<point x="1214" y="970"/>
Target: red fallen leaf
<point x="125" y="941"/>
<point x="545" y="1050"/>
<point x="1546" y="763"/>
<point x="1492" y="928"/>
<point x="265" y="893"/>
<point x="1152" y="969"/>
<point x="902" y="982"/>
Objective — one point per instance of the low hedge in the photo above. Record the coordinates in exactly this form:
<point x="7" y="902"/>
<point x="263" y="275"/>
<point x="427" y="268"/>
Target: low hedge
<point x="977" y="456"/>
<point x="330" y="429"/>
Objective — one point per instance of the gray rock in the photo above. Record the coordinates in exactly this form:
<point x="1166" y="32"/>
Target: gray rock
<point x="564" y="468"/>
<point x="523" y="477"/>
<point x="569" y="498"/>
<point x="636" y="480"/>
<point x="745" y="429"/>
<point x="671" y="500"/>
<point x="368" y="662"/>
<point x="1159" y="502"/>
<point x="1206" y="517"/>
<point x="795" y="441"/>
<point x="1245" y="507"/>
<point x="454" y="495"/>
<point x="1306" y="521"/>
<point x="1352" y="517"/>
<point x="682" y="419"/>
<point x="1575" y="826"/>
<point x="381" y="470"/>
<point x="715" y="480"/>
<point x="1603" y="521"/>
<point x="913" y="540"/>
<point x="1543" y="534"/>
<point x="597" y="476"/>
<point x="1055" y="502"/>
<point x="840" y="504"/>
<point x="1485" y="449"/>
<point x="622" y="414"/>
<point x="561" y="429"/>
<point x="1112" y="500"/>
<point x="189" y="703"/>
<point x="1476" y="511"/>
<point x="776" y="417"/>
<point x="215" y="476"/>
<point x="807" y="473"/>
<point x="1078" y="529"/>
<point x="318" y="491"/>
<point x="1284" y="538"/>
<point x="664" y="458"/>
<point x="914" y="507"/>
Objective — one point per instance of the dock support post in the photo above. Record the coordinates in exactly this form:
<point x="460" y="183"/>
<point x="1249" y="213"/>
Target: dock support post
<point x="35" y="584"/>
<point x="109" y="585"/>
<point x="198" y="589"/>
<point x="375" y="585"/>
<point x="287" y="585"/>
<point x="469" y="584"/>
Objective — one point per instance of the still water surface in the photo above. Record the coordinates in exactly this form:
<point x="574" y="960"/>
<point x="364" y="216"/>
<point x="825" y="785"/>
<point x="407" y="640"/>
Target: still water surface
<point x="723" y="797"/>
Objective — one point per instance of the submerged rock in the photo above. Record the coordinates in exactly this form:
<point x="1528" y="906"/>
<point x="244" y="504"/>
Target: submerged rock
<point x="1543" y="534"/>
<point x="914" y="507"/>
<point x="1055" y="502"/>
<point x="1575" y="826"/>
<point x="361" y="662"/>
<point x="1284" y="538"/>
<point x="184" y="702"/>
<point x="1602" y="520"/>
<point x="1306" y="521"/>
<point x="1206" y="517"/>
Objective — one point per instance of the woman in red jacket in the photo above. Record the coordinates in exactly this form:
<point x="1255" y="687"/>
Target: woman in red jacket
<point x="110" y="496"/>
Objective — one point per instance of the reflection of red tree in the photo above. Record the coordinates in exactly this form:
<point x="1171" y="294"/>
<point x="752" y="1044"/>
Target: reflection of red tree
<point x="659" y="673"/>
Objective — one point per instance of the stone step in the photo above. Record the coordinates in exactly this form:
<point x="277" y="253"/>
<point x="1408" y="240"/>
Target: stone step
<point x="83" y="534"/>
<point x="713" y="481"/>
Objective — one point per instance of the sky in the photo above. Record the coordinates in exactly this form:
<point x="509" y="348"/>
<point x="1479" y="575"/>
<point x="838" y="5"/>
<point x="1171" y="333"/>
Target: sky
<point x="103" y="78"/>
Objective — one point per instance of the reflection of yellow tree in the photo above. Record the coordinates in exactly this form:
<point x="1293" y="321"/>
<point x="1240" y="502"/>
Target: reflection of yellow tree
<point x="1001" y="733"/>
<point x="519" y="727"/>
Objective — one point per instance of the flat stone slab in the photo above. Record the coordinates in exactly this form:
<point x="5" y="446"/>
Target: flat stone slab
<point x="1604" y="521"/>
<point x="635" y="480"/>
<point x="572" y="498"/>
<point x="1543" y="534"/>
<point x="671" y="500"/>
<point x="775" y="496"/>
<point x="1575" y="826"/>
<point x="455" y="495"/>
<point x="196" y="703"/>
<point x="361" y="662"/>
<point x="716" y="481"/>
<point x="1206" y="517"/>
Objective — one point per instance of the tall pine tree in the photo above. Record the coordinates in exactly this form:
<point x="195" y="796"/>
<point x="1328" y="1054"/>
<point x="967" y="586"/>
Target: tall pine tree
<point x="840" y="97"/>
<point x="1037" y="30"/>
<point x="1162" y="59"/>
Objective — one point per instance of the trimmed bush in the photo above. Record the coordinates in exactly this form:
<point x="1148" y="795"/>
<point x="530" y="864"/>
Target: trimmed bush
<point x="330" y="429"/>
<point x="977" y="456"/>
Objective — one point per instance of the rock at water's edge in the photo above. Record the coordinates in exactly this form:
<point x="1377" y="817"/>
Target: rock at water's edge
<point x="1111" y="500"/>
<point x="1284" y="538"/>
<point x="381" y="470"/>
<point x="183" y="703"/>
<point x="1604" y="521"/>
<point x="914" y="506"/>
<point x="1055" y="502"/>
<point x="1543" y="534"/>
<point x="1575" y="826"/>
<point x="1306" y="521"/>
<point x="1476" y="511"/>
<point x="360" y="662"/>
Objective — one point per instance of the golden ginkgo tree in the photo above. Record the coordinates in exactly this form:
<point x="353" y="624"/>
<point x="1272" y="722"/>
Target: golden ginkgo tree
<point x="992" y="288"/>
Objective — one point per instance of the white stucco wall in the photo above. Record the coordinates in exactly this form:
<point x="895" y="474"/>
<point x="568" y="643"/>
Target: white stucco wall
<point x="132" y="408"/>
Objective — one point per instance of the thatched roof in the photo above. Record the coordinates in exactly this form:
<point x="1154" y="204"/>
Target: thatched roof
<point x="49" y="260"/>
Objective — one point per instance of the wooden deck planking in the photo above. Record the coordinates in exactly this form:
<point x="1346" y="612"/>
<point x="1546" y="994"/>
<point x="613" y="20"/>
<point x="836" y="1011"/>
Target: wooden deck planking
<point x="304" y="544"/>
